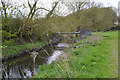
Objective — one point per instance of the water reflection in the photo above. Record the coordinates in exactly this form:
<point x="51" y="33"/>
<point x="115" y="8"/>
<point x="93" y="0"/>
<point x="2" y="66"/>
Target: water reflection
<point x="28" y="73"/>
<point x="26" y="66"/>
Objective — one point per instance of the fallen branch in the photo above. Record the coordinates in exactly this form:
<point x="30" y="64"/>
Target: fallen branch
<point x="82" y="68"/>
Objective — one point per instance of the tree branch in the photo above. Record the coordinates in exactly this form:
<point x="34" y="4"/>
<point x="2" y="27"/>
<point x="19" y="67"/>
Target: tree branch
<point x="4" y="9"/>
<point x="50" y="13"/>
<point x="47" y="10"/>
<point x="32" y="8"/>
<point x="29" y="4"/>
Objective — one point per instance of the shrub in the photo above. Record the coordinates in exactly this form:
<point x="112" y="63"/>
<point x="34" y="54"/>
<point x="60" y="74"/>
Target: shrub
<point x="8" y="43"/>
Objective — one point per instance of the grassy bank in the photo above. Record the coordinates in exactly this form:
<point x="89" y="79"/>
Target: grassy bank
<point x="94" y="57"/>
<point x="17" y="48"/>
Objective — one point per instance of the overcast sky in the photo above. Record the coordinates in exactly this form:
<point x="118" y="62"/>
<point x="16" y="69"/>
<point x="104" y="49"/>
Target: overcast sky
<point x="106" y="2"/>
<point x="47" y="3"/>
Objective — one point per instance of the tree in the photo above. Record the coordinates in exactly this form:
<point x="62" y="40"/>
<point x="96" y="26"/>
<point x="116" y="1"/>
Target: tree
<point x="33" y="9"/>
<point x="98" y="18"/>
<point x="119" y="11"/>
<point x="4" y="15"/>
<point x="51" y="12"/>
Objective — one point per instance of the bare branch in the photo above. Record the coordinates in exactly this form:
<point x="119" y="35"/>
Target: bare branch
<point x="20" y="13"/>
<point x="4" y="8"/>
<point x="29" y="4"/>
<point x="32" y="8"/>
<point x="51" y="12"/>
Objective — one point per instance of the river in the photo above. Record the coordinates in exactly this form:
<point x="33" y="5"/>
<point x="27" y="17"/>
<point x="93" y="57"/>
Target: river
<point x="27" y="66"/>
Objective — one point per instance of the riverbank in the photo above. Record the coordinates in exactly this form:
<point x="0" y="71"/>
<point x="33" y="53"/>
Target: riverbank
<point x="20" y="50"/>
<point x="9" y="50"/>
<point x="94" y="57"/>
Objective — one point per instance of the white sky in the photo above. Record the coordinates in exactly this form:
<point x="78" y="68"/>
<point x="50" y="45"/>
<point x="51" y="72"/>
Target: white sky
<point x="47" y="3"/>
<point x="110" y="2"/>
<point x="105" y="2"/>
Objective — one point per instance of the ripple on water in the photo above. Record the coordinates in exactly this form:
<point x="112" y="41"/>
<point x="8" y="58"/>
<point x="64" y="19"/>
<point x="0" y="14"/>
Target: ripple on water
<point x="55" y="55"/>
<point x="63" y="45"/>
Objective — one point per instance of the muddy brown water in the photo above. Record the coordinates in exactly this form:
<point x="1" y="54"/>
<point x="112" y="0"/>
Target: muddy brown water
<point x="26" y="67"/>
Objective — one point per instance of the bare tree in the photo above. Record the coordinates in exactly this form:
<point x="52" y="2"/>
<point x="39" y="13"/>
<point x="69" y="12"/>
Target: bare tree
<point x="34" y="9"/>
<point x="4" y="7"/>
<point x="4" y="14"/>
<point x="51" y="12"/>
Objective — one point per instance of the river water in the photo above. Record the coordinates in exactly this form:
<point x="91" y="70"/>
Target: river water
<point x="27" y="66"/>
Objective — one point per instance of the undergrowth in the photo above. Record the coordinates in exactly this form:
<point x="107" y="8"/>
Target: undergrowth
<point x="17" y="48"/>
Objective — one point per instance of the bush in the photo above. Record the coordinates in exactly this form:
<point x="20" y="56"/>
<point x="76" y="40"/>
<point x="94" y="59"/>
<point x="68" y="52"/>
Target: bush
<point x="8" y="35"/>
<point x="8" y="43"/>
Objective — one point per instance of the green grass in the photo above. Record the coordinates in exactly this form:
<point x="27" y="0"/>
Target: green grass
<point x="17" y="48"/>
<point x="96" y="59"/>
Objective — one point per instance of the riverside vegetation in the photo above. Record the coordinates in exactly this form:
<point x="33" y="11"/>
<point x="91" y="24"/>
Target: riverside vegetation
<point x="8" y="50"/>
<point x="21" y="28"/>
<point x="30" y="24"/>
<point x="98" y="58"/>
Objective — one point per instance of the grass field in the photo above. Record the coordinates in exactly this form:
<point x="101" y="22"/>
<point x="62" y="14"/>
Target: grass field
<point x="95" y="57"/>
